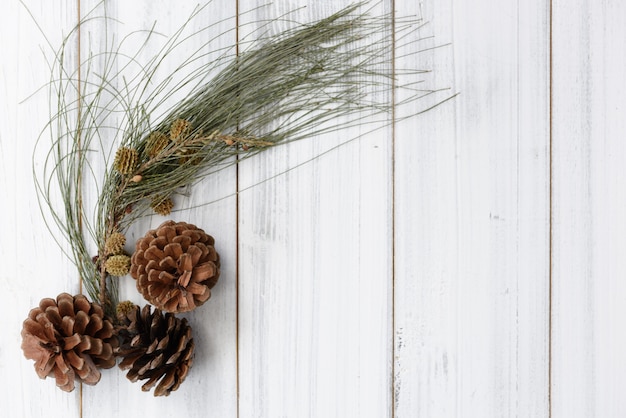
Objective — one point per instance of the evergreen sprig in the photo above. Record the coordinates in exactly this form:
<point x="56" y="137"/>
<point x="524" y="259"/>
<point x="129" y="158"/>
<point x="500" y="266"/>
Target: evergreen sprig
<point x="316" y="78"/>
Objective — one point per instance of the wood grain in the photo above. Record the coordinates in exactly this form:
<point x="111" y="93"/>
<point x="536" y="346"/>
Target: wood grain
<point x="212" y="383"/>
<point x="472" y="221"/>
<point x="315" y="271"/>
<point x="34" y="265"/>
<point x="589" y="340"/>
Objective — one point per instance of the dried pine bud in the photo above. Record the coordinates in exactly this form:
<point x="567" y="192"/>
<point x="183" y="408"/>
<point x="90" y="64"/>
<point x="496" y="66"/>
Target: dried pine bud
<point x="162" y="205"/>
<point x="126" y="160"/>
<point x="189" y="156"/>
<point x="157" y="141"/>
<point x="118" y="265"/>
<point x="115" y="243"/>
<point x="179" y="130"/>
<point x="124" y="308"/>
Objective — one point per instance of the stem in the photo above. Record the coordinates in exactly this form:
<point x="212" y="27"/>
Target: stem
<point x="104" y="298"/>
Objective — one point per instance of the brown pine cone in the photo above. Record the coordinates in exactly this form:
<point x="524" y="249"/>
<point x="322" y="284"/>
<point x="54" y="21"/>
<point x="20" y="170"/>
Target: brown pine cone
<point x="155" y="346"/>
<point x="175" y="266"/>
<point x="69" y="338"/>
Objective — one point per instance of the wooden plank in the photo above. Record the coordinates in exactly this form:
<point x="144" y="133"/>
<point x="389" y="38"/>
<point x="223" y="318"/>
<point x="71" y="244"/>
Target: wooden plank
<point x="212" y="382"/>
<point x="35" y="267"/>
<point x="472" y="219"/>
<point x="315" y="269"/>
<point x="588" y="369"/>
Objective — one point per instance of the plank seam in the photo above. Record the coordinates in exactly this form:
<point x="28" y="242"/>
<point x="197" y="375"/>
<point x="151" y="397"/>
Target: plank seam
<point x="79" y="192"/>
<point x="393" y="209"/>
<point x="237" y="408"/>
<point x="551" y="206"/>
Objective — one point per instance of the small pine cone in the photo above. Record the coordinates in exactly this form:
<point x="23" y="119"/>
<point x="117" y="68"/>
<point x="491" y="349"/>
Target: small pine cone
<point x="126" y="160"/>
<point x="115" y="243"/>
<point x="157" y="141"/>
<point x="175" y="266"/>
<point x="162" y="205"/>
<point x="118" y="265"/>
<point x="155" y="346"/>
<point x="69" y="338"/>
<point x="180" y="130"/>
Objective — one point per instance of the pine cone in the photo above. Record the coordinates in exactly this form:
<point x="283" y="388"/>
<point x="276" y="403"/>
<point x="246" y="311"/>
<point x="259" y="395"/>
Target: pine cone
<point x="70" y="339"/>
<point x="175" y="266"/>
<point x="155" y="346"/>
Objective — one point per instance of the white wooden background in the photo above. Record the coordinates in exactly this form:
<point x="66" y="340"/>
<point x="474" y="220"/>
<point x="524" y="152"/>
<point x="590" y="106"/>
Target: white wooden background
<point x="466" y="263"/>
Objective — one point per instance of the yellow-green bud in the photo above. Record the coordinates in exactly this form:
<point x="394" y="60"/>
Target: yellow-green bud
<point x="118" y="265"/>
<point x="126" y="160"/>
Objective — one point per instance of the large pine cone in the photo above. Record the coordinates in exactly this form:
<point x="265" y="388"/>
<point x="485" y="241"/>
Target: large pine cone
<point x="69" y="338"/>
<point x="155" y="346"/>
<point x="175" y="266"/>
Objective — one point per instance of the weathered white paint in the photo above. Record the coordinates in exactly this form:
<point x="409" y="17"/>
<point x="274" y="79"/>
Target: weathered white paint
<point x="589" y="150"/>
<point x="35" y="266"/>
<point x="404" y="274"/>
<point x="315" y="272"/>
<point x="214" y="380"/>
<point x="472" y="221"/>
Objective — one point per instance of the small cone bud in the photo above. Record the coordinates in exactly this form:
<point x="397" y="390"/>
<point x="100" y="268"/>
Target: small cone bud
<point x="118" y="265"/>
<point x="180" y="130"/>
<point x="162" y="205"/>
<point x="126" y="160"/>
<point x="115" y="243"/>
<point x="157" y="142"/>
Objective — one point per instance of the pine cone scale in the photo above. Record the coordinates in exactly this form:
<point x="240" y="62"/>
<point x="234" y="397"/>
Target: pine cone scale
<point x="34" y="348"/>
<point x="95" y="346"/>
<point x="75" y="361"/>
<point x="183" y="240"/>
<point x="95" y="324"/>
<point x="195" y="252"/>
<point x="65" y="307"/>
<point x="168" y="263"/>
<point x="52" y="315"/>
<point x="67" y="325"/>
<point x="65" y="380"/>
<point x="153" y="253"/>
<point x="173" y="250"/>
<point x="204" y="271"/>
<point x="34" y="329"/>
<point x="81" y="320"/>
<point x="70" y="342"/>
<point x="184" y="263"/>
<point x="184" y="278"/>
<point x="129" y="361"/>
